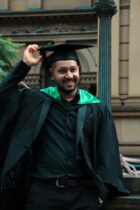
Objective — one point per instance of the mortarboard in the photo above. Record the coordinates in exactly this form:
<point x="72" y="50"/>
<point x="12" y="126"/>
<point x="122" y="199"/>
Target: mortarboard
<point x="65" y="51"/>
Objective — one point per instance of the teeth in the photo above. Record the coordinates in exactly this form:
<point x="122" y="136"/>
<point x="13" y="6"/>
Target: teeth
<point x="69" y="82"/>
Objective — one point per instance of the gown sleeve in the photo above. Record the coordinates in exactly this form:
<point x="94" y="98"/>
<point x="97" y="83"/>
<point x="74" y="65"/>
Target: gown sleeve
<point x="9" y="101"/>
<point x="108" y="155"/>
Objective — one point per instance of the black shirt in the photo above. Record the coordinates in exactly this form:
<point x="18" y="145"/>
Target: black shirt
<point x="55" y="149"/>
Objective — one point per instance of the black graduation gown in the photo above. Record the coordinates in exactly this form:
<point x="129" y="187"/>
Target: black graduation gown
<point x="22" y="114"/>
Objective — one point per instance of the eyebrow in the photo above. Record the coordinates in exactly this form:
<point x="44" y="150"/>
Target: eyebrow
<point x="67" y="68"/>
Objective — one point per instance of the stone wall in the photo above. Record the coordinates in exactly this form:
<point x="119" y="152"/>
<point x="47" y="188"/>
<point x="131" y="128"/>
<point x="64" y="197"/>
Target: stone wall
<point x="21" y="5"/>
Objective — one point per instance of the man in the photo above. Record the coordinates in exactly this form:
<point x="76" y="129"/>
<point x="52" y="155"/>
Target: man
<point x="58" y="145"/>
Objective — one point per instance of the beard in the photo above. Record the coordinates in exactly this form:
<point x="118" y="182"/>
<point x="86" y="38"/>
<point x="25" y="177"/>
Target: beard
<point x="65" y="90"/>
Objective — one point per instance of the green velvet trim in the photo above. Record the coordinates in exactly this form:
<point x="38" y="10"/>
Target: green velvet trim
<point x="85" y="97"/>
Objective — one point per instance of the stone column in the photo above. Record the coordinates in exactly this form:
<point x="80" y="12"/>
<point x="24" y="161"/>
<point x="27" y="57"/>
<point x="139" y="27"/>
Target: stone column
<point x="105" y="9"/>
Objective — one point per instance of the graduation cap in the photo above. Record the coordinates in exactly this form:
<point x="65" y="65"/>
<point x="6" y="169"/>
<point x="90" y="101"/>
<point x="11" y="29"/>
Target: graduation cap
<point x="65" y="51"/>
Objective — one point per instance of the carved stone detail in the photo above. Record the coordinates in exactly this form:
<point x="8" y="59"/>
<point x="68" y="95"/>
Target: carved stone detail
<point x="106" y="8"/>
<point x="48" y="28"/>
<point x="33" y="81"/>
<point x="42" y="24"/>
<point x="87" y="79"/>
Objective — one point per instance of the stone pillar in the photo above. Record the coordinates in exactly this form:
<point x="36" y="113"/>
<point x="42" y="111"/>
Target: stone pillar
<point x="105" y="9"/>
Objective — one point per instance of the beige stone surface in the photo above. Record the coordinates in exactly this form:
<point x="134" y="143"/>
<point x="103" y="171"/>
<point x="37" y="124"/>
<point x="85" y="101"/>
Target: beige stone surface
<point x="16" y="5"/>
<point x="4" y="4"/>
<point x="128" y="130"/>
<point x="115" y="53"/>
<point x="124" y="68"/>
<point x="124" y="33"/>
<point x="134" y="73"/>
<point x="123" y="86"/>
<point x="34" y="4"/>
<point x="124" y="51"/>
<point x="125" y="13"/>
<point x="65" y="4"/>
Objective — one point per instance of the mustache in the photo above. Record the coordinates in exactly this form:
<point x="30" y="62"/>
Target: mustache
<point x="69" y="80"/>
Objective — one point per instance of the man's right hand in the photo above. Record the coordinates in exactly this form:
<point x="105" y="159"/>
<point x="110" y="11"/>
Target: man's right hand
<point x="28" y="56"/>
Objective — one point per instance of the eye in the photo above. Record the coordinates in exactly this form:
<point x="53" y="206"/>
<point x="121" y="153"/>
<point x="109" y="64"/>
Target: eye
<point x="74" y="69"/>
<point x="62" y="70"/>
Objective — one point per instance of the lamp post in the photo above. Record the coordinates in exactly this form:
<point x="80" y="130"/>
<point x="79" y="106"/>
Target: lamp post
<point x="105" y="9"/>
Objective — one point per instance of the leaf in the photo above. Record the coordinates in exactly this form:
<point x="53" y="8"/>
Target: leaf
<point x="8" y="55"/>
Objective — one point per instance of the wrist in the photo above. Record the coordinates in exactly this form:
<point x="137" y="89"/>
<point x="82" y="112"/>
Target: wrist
<point x="27" y="63"/>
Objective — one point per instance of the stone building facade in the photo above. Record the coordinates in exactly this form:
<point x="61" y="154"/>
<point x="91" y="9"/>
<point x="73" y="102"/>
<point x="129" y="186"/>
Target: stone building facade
<point x="126" y="74"/>
<point x="45" y="21"/>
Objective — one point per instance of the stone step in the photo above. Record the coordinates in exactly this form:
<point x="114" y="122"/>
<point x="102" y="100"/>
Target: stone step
<point x="133" y="183"/>
<point x="131" y="202"/>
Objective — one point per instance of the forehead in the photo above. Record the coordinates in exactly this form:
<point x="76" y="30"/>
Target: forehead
<point x="67" y="63"/>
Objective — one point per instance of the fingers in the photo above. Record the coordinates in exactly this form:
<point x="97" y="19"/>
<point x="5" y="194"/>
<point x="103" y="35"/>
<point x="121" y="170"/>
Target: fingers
<point x="32" y="48"/>
<point x="29" y="56"/>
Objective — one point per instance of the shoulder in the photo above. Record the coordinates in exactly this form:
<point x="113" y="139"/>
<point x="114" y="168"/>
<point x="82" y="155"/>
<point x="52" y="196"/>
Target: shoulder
<point x="101" y="107"/>
<point x="29" y="94"/>
<point x="101" y="110"/>
<point x="87" y="98"/>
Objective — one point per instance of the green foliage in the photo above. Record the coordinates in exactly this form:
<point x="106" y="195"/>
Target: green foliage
<point x="8" y="55"/>
<point x="2" y="74"/>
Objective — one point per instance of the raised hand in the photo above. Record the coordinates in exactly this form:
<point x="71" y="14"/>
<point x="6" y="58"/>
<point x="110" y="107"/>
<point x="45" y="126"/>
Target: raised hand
<point x="29" y="58"/>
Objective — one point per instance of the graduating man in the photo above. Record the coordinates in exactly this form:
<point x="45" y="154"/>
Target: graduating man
<point x="58" y="145"/>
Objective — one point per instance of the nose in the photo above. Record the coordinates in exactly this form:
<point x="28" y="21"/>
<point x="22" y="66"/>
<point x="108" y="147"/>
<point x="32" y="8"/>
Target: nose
<point x="69" y="74"/>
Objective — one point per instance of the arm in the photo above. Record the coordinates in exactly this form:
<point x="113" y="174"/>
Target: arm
<point x="9" y="90"/>
<point x="9" y="102"/>
<point x="10" y="83"/>
<point x="10" y="97"/>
